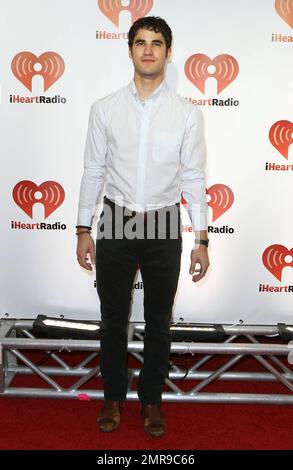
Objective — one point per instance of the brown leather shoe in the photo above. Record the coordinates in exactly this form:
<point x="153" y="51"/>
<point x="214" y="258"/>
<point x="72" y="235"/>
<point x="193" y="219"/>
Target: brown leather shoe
<point x="153" y="420"/>
<point x="109" y="417"/>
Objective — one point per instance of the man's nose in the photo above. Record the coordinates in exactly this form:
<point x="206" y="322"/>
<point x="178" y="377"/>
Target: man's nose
<point x="148" y="50"/>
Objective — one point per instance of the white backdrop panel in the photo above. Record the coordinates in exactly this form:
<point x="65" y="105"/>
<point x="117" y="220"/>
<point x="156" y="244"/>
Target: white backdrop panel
<point x="45" y="142"/>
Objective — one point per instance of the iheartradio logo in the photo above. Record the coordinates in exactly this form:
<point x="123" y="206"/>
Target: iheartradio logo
<point x="137" y="8"/>
<point x="281" y="136"/>
<point x="222" y="198"/>
<point x="198" y="69"/>
<point x="26" y="65"/>
<point x="51" y="195"/>
<point x="275" y="258"/>
<point x="284" y="8"/>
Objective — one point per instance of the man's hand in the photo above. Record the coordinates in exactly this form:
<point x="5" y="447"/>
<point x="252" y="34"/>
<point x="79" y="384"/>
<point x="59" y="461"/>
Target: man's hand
<point x="199" y="256"/>
<point x="85" y="247"/>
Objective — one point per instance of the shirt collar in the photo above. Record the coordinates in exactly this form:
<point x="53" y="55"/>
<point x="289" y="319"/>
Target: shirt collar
<point x="161" y="88"/>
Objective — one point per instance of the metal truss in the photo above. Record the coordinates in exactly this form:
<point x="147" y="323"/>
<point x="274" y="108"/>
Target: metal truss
<point x="17" y="343"/>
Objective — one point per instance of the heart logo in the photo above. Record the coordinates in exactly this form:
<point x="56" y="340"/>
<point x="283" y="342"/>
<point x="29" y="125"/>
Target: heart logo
<point x="274" y="259"/>
<point x="226" y="69"/>
<point x="112" y="9"/>
<point x="26" y="65"/>
<point x="52" y="196"/>
<point x="281" y="136"/>
<point x="284" y="8"/>
<point x="222" y="198"/>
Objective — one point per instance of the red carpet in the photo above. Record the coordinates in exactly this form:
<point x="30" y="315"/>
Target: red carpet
<point x="71" y="424"/>
<point x="67" y="424"/>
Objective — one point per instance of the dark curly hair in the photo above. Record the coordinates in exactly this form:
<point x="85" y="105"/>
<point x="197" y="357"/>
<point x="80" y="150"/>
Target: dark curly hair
<point x="152" y="23"/>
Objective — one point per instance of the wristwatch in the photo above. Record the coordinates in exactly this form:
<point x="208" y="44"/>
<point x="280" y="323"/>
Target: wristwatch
<point x="199" y="241"/>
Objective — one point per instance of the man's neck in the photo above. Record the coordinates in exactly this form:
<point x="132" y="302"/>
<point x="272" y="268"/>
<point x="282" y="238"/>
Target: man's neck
<point x="146" y="86"/>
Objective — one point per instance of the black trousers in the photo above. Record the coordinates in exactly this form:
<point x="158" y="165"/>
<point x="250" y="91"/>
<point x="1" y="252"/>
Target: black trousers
<point x="117" y="262"/>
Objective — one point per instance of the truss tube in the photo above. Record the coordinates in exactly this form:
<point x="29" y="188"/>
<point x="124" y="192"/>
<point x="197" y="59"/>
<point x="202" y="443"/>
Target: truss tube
<point x="275" y="360"/>
<point x="280" y="364"/>
<point x="177" y="375"/>
<point x="136" y="346"/>
<point x="36" y="369"/>
<point x="9" y="360"/>
<point x="87" y="360"/>
<point x="276" y="373"/>
<point x="11" y="345"/>
<point x="229" y="398"/>
<point x="52" y="355"/>
<point x="5" y="327"/>
<point x="270" y="368"/>
<point x="93" y="372"/>
<point x="205" y="359"/>
<point x="216" y="374"/>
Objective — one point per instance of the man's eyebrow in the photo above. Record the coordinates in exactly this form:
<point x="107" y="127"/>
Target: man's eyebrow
<point x="154" y="40"/>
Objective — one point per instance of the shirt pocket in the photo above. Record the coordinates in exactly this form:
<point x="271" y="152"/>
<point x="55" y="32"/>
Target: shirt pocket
<point x="166" y="147"/>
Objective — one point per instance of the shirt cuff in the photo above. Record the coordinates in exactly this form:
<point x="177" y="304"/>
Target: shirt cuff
<point x="84" y="218"/>
<point x="198" y="221"/>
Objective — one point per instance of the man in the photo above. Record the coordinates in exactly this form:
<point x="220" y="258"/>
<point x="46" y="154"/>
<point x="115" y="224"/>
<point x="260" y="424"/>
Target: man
<point x="146" y="143"/>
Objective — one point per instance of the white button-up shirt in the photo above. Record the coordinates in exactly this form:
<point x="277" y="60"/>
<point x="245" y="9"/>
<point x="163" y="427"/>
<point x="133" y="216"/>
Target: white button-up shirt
<point x="146" y="152"/>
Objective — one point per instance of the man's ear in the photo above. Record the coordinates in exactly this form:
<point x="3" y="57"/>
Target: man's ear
<point x="130" y="53"/>
<point x="169" y="54"/>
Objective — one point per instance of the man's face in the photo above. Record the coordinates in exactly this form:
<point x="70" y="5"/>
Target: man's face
<point x="149" y="53"/>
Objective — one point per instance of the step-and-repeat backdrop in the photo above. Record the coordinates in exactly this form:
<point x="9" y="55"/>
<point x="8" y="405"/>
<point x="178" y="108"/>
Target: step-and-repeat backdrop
<point x="231" y="58"/>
